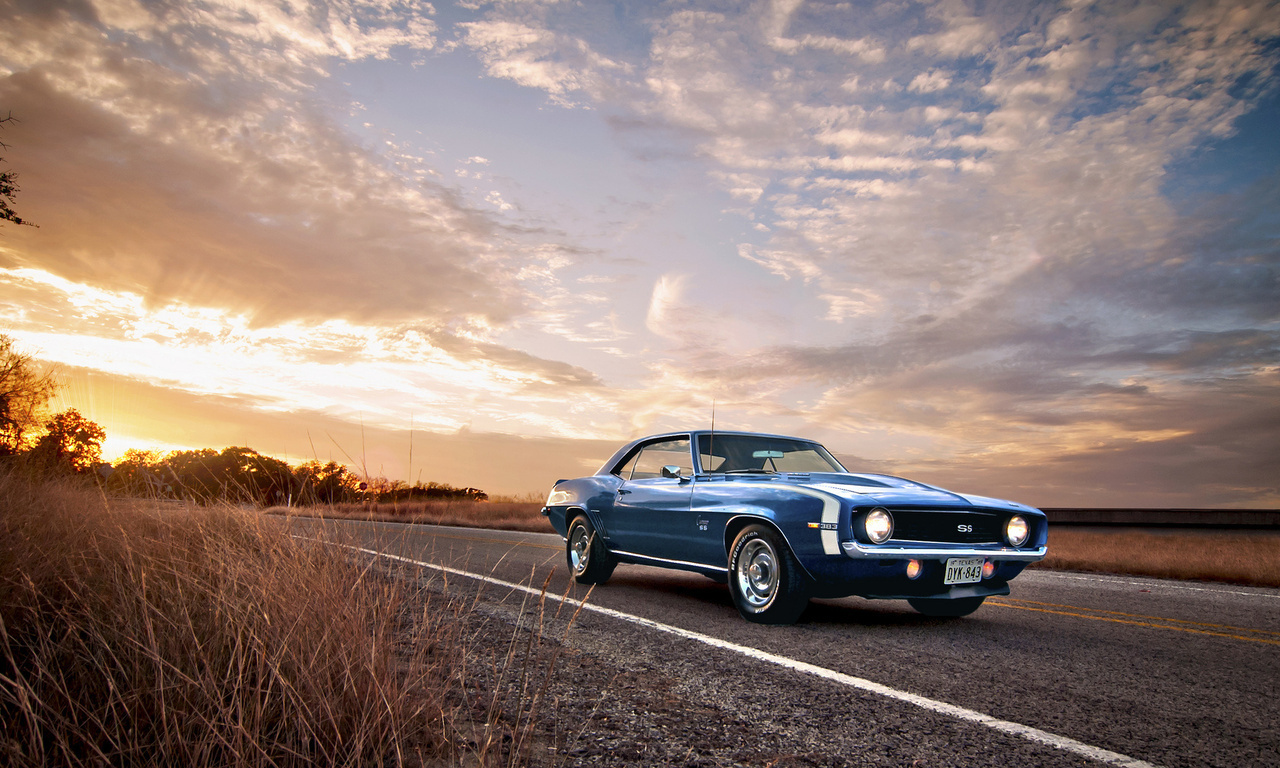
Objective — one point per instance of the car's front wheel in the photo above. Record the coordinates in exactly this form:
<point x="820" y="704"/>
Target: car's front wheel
<point x="589" y="560"/>
<point x="944" y="608"/>
<point x="765" y="580"/>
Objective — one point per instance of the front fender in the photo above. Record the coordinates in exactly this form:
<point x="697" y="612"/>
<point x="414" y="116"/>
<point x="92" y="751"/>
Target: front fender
<point x="808" y="520"/>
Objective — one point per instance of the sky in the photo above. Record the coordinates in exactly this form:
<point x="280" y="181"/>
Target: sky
<point x="1021" y="249"/>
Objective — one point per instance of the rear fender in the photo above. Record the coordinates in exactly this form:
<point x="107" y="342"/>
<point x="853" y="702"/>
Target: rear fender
<point x="583" y="496"/>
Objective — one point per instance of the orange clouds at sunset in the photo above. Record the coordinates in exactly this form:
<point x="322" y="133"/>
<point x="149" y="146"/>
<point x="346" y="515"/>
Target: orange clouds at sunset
<point x="1025" y="252"/>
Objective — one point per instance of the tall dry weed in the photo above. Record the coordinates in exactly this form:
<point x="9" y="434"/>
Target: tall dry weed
<point x="132" y="635"/>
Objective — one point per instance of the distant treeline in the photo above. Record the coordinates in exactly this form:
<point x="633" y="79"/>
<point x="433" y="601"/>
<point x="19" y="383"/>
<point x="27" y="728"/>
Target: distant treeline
<point x="67" y="443"/>
<point x="243" y="475"/>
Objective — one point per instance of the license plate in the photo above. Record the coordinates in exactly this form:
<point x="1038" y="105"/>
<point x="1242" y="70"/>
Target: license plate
<point x="963" y="570"/>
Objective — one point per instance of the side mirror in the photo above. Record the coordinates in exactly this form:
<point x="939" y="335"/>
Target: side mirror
<point x="671" y="471"/>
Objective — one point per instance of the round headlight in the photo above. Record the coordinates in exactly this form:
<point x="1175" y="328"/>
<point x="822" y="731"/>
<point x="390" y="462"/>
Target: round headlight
<point x="879" y="525"/>
<point x="1017" y="530"/>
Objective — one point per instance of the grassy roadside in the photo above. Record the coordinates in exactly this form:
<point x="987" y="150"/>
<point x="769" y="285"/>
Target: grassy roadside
<point x="1250" y="559"/>
<point x="1235" y="558"/>
<point x="496" y="515"/>
<point x="134" y="634"/>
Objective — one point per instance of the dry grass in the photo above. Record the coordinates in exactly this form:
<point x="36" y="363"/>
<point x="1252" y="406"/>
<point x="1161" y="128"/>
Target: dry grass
<point x="499" y="515"/>
<point x="204" y="637"/>
<point x="143" y="633"/>
<point x="1237" y="558"/>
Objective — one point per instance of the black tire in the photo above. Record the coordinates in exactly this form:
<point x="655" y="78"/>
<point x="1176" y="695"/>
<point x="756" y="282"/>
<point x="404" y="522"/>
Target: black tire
<point x="765" y="580"/>
<point x="943" y="608"/>
<point x="589" y="561"/>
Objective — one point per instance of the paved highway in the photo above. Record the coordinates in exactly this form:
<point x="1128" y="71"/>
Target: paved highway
<point x="1071" y="669"/>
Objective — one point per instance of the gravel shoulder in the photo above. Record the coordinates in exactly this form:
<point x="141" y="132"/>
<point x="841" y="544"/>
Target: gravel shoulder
<point x="548" y="690"/>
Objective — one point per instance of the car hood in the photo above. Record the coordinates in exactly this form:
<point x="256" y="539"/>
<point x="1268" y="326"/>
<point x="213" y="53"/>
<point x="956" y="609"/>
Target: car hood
<point x="867" y="488"/>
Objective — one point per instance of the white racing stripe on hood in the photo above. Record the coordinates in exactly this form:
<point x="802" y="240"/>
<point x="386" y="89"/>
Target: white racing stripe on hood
<point x="848" y="491"/>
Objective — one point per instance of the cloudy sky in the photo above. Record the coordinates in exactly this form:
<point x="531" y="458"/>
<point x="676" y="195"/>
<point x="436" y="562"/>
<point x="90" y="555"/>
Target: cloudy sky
<point x="1027" y="249"/>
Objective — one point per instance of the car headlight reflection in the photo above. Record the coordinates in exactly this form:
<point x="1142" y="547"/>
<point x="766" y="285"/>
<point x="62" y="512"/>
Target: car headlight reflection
<point x="1016" y="531"/>
<point x="879" y="525"/>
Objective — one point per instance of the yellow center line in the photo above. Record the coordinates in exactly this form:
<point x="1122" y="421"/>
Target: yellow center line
<point x="1143" y="616"/>
<point x="1266" y="641"/>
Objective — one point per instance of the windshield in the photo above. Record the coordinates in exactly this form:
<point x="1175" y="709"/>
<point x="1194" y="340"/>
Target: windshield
<point x="753" y="453"/>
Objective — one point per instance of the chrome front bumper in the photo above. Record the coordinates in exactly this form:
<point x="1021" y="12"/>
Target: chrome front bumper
<point x="927" y="551"/>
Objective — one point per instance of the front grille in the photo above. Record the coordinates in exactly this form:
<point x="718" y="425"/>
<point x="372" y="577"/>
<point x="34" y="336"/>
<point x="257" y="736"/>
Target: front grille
<point x="947" y="527"/>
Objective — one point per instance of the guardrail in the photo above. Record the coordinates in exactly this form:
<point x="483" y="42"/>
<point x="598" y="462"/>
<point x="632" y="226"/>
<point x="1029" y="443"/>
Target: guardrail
<point x="1167" y="518"/>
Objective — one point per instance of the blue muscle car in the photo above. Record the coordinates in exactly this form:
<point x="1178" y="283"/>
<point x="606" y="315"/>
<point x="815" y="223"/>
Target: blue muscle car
<point x="781" y="521"/>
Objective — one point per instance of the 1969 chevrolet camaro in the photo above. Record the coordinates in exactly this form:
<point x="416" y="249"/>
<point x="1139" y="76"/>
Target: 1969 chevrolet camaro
<point x="781" y="521"/>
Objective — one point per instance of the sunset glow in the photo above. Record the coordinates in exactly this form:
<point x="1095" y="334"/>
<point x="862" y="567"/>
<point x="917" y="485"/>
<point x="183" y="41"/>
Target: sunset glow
<point x="1026" y="250"/>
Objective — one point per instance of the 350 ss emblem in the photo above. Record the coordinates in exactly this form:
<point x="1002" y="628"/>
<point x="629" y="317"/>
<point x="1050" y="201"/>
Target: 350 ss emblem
<point x="964" y="528"/>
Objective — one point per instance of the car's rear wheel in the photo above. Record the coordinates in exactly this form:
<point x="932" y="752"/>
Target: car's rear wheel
<point x="944" y="608"/>
<point x="765" y="580"/>
<point x="589" y="560"/>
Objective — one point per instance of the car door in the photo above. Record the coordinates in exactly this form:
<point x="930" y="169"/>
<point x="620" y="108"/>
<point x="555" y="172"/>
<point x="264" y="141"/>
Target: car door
<point x="651" y="514"/>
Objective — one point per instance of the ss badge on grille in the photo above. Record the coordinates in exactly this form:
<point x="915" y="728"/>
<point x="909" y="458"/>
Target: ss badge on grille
<point x="964" y="528"/>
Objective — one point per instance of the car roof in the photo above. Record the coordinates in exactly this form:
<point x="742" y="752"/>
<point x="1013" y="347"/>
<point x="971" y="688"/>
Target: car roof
<point x="693" y="432"/>
<point x="616" y="457"/>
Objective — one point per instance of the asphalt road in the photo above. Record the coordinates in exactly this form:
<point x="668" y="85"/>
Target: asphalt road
<point x="1141" y="671"/>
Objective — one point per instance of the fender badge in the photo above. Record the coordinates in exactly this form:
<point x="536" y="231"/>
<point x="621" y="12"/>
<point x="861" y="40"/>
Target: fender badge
<point x="825" y="526"/>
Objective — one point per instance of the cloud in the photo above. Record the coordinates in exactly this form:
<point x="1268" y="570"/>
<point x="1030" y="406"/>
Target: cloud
<point x="518" y="52"/>
<point x="209" y="172"/>
<point x="929" y="82"/>
<point x="522" y="47"/>
<point x="378" y="373"/>
<point x="950" y="222"/>
<point x="663" y="318"/>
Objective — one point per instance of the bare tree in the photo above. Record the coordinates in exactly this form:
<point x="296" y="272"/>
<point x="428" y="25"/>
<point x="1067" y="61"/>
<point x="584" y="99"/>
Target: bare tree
<point x="9" y="186"/>
<point x="24" y="396"/>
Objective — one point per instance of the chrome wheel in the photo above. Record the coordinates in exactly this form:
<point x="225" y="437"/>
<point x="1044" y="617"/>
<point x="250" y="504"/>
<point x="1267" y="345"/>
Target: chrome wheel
<point x="767" y="584"/>
<point x="757" y="573"/>
<point x="579" y="549"/>
<point x="588" y="557"/>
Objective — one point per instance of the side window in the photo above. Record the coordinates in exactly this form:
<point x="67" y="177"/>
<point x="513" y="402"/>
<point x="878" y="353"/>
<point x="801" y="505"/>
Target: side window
<point x="655" y="456"/>
<point x="627" y="466"/>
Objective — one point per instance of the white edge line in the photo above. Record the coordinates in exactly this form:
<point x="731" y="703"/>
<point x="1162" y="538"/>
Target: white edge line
<point x="941" y="707"/>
